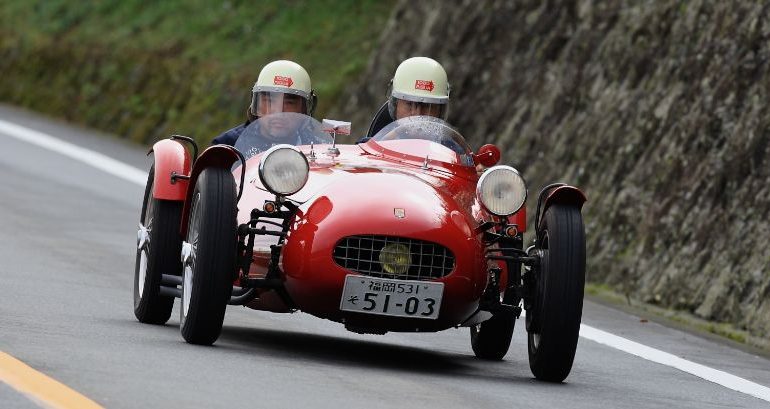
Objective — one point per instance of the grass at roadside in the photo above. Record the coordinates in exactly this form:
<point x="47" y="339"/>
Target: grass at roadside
<point x="681" y="319"/>
<point x="146" y="69"/>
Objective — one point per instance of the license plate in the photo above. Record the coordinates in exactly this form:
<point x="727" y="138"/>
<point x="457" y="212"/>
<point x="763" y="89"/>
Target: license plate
<point x="397" y="298"/>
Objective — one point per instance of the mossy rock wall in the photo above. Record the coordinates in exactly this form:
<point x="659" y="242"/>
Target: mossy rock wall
<point x="659" y="110"/>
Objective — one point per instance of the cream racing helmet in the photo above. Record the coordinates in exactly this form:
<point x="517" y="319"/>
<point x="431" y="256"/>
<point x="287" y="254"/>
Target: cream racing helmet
<point x="421" y="83"/>
<point x="282" y="86"/>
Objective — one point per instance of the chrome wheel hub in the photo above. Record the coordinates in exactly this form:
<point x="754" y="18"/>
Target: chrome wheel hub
<point x="142" y="237"/>
<point x="187" y="264"/>
<point x="143" y="245"/>
<point x="188" y="256"/>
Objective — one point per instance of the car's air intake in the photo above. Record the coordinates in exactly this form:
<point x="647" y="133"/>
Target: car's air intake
<point x="394" y="257"/>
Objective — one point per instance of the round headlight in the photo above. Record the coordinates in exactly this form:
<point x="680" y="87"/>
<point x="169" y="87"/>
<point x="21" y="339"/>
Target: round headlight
<point x="283" y="170"/>
<point x="501" y="190"/>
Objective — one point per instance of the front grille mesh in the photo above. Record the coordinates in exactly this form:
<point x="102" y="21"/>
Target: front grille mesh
<point x="361" y="255"/>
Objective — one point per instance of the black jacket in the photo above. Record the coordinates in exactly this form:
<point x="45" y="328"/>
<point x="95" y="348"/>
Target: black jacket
<point x="230" y="136"/>
<point x="381" y="119"/>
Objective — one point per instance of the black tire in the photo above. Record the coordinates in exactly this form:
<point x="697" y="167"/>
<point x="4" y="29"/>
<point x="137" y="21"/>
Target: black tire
<point x="159" y="255"/>
<point x="554" y="319"/>
<point x="491" y="339"/>
<point x="212" y="234"/>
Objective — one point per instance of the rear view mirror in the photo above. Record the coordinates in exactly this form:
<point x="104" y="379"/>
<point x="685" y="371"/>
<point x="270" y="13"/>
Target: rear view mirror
<point x="336" y="127"/>
<point x="488" y="155"/>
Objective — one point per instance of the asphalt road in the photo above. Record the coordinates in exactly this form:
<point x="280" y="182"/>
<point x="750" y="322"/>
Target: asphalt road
<point x="68" y="233"/>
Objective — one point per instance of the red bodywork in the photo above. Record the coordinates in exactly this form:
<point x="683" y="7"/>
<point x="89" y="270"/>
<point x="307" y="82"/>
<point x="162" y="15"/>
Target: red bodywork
<point x="171" y="157"/>
<point x="356" y="193"/>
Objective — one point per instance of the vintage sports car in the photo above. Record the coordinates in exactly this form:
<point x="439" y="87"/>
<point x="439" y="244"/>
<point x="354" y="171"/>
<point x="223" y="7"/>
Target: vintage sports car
<point x="399" y="233"/>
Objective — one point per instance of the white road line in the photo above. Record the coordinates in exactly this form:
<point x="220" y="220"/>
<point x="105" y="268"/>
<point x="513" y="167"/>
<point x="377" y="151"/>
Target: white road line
<point x="87" y="156"/>
<point x="139" y="177"/>
<point x="655" y="355"/>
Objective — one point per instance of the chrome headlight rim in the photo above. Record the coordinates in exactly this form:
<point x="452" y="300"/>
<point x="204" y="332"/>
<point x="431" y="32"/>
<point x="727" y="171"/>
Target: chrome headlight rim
<point x="263" y="163"/>
<point x="484" y="178"/>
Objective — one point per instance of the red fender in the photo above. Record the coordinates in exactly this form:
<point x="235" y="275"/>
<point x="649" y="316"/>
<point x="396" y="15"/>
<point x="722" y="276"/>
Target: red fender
<point x="566" y="194"/>
<point x="170" y="157"/>
<point x="220" y="156"/>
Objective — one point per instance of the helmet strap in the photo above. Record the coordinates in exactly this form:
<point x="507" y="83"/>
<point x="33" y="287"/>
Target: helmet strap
<point x="391" y="102"/>
<point x="250" y="115"/>
<point x="312" y="102"/>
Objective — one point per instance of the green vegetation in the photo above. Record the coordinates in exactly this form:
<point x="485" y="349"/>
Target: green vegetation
<point x="144" y="70"/>
<point x="605" y="292"/>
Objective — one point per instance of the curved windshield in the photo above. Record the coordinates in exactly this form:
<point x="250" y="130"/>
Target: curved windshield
<point x="425" y="136"/>
<point x="279" y="128"/>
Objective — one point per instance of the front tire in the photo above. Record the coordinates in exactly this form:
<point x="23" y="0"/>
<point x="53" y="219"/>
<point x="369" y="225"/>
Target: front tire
<point x="554" y="319"/>
<point x="158" y="247"/>
<point x="211" y="257"/>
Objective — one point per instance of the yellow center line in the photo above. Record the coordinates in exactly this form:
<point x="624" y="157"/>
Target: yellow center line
<point x="39" y="387"/>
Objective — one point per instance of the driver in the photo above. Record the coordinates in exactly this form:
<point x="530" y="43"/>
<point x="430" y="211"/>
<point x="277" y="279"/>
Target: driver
<point x="282" y="86"/>
<point x="419" y="87"/>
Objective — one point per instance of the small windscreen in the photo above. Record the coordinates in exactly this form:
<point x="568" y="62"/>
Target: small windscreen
<point x="437" y="133"/>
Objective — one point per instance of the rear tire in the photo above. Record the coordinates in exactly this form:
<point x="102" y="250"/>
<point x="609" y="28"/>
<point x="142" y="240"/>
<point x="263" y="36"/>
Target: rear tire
<point x="208" y="276"/>
<point x="554" y="319"/>
<point x="159" y="254"/>
<point x="492" y="338"/>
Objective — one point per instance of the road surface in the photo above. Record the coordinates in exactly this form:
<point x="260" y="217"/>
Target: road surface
<point x="68" y="233"/>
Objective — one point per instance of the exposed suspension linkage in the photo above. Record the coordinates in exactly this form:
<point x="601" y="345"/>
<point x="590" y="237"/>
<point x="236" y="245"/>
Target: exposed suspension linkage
<point x="504" y="242"/>
<point x="169" y="285"/>
<point x="247" y="233"/>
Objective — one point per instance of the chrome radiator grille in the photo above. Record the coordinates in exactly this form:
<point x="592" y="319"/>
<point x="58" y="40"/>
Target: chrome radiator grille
<point x="361" y="254"/>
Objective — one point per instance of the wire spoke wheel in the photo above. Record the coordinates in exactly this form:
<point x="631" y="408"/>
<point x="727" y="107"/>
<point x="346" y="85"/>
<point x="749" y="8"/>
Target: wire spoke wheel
<point x="189" y="255"/>
<point x="157" y="253"/>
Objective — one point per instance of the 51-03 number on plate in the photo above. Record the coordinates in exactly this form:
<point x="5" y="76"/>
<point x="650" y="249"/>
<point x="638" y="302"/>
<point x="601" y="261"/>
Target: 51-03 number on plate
<point x="398" y="298"/>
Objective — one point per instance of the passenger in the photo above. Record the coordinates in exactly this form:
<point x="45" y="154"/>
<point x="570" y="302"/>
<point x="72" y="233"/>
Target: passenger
<point x="419" y="87"/>
<point x="282" y="86"/>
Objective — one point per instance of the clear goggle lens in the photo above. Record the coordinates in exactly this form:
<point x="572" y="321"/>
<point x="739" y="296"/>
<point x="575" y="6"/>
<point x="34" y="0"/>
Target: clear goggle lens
<point x="266" y="103"/>
<point x="406" y="108"/>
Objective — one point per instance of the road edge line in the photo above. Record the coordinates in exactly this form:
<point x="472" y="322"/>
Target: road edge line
<point x="39" y="387"/>
<point x="716" y="376"/>
<point x="89" y="157"/>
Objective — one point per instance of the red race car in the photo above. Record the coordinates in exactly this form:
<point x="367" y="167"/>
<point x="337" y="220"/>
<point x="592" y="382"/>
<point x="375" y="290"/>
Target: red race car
<point x="399" y="233"/>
